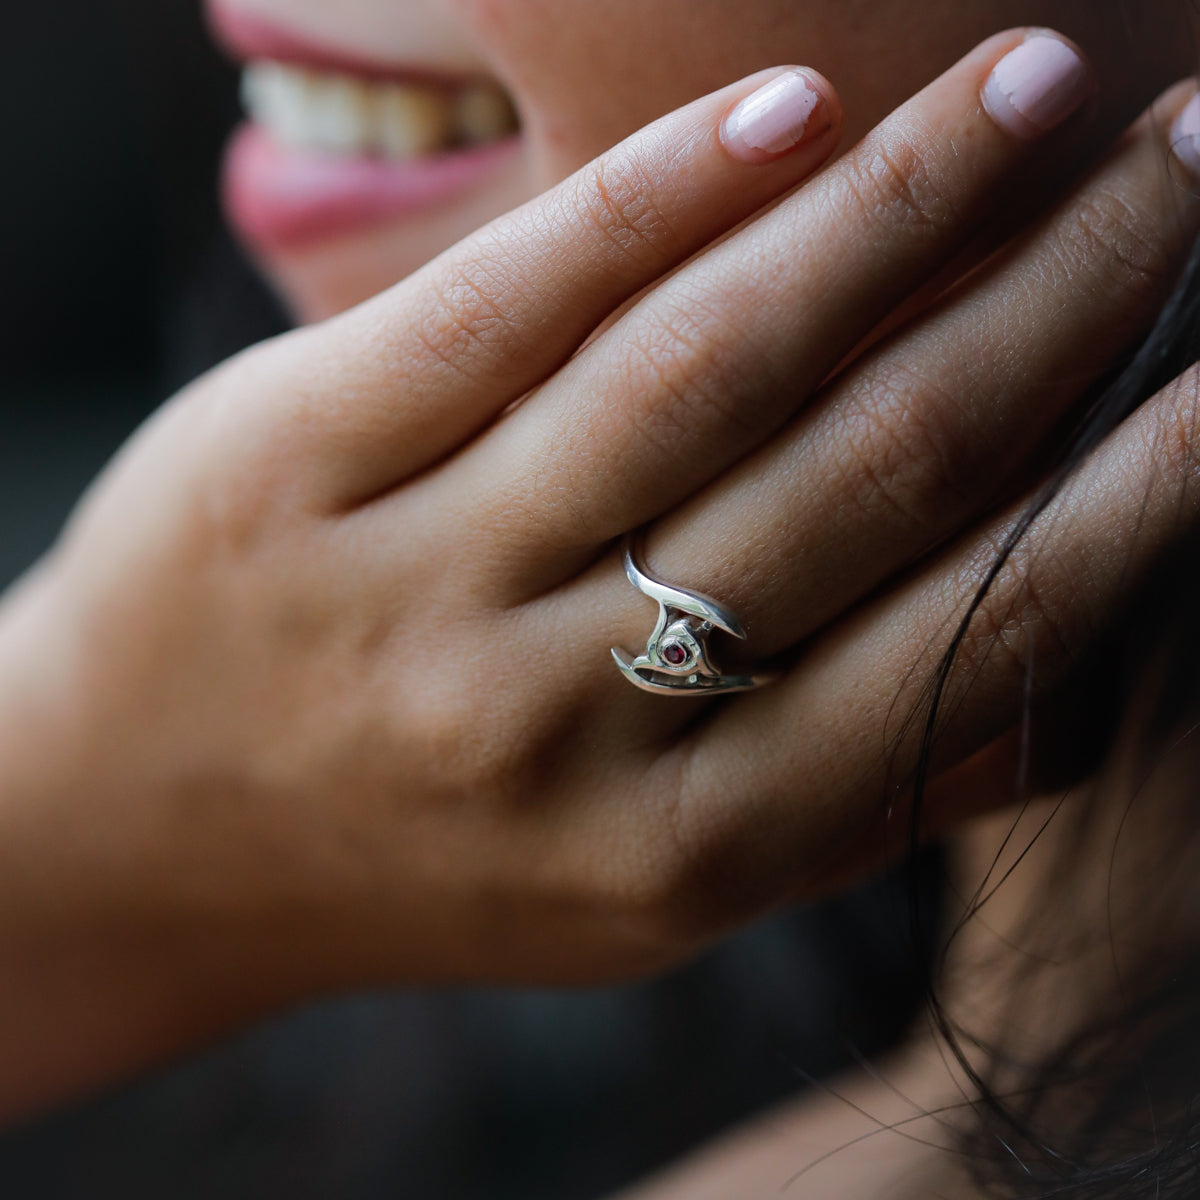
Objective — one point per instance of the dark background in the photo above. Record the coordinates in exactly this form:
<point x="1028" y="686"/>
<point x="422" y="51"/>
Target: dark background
<point x="117" y="284"/>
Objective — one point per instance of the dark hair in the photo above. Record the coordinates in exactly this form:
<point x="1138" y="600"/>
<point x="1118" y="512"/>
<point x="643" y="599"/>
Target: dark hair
<point x="1114" y="1110"/>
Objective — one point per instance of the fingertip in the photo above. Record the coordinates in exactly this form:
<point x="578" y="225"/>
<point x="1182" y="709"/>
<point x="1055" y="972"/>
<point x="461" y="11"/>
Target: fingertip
<point x="1184" y="134"/>
<point x="1037" y="85"/>
<point x="794" y="108"/>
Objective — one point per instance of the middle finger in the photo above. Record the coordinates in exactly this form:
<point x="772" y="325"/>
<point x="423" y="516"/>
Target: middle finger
<point x="723" y="352"/>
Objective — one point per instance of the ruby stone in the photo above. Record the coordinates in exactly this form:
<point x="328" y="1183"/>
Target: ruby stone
<point x="675" y="654"/>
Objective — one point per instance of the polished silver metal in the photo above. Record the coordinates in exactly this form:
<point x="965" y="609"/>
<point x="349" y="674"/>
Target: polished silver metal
<point x="677" y="661"/>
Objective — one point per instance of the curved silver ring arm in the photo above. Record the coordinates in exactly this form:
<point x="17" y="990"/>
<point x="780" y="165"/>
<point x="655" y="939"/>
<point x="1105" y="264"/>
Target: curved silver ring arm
<point x="677" y="661"/>
<point x="695" y="604"/>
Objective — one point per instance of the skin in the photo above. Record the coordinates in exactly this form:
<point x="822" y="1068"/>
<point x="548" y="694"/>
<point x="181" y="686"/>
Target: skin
<point x="1019" y="983"/>
<point x="560" y="72"/>
<point x="315" y="692"/>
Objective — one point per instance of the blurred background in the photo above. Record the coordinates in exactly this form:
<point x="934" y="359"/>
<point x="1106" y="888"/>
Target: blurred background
<point x="120" y="284"/>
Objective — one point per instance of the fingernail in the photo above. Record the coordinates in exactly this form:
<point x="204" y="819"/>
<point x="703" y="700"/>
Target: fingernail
<point x="772" y="120"/>
<point x="1185" y="136"/>
<point x="1036" y="86"/>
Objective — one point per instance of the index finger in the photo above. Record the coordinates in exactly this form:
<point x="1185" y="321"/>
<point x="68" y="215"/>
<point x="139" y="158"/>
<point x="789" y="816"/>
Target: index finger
<point x="406" y="378"/>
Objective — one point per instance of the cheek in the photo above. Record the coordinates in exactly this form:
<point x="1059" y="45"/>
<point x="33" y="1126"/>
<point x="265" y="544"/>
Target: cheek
<point x="585" y="75"/>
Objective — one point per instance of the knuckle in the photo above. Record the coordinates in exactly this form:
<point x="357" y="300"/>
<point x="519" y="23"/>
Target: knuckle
<point x="893" y="182"/>
<point x="694" y="875"/>
<point x="618" y="198"/>
<point x="469" y="753"/>
<point x="472" y="321"/>
<point x="694" y="379"/>
<point x="897" y="451"/>
<point x="1118" y="241"/>
<point x="1024" y="625"/>
<point x="240" y="518"/>
<point x="245" y="505"/>
<point x="473" y="741"/>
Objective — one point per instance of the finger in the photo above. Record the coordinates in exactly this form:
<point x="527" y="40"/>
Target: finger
<point x="403" y="380"/>
<point x="721" y="354"/>
<point x="945" y="419"/>
<point x="814" y="760"/>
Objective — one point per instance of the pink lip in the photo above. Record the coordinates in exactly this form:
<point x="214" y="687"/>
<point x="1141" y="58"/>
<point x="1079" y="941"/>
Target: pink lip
<point x="244" y="37"/>
<point x="278" y="197"/>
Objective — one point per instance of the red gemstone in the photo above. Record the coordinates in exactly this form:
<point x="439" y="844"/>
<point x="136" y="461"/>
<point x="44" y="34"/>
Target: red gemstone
<point x="675" y="654"/>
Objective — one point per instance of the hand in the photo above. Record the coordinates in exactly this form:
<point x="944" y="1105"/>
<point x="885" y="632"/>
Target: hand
<point x="316" y="691"/>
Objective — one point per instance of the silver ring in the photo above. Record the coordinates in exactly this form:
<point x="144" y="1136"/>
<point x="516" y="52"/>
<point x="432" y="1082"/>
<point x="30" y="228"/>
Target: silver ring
<point x="677" y="661"/>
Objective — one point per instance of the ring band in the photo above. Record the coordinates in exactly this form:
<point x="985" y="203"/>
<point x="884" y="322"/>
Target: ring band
<point x="677" y="662"/>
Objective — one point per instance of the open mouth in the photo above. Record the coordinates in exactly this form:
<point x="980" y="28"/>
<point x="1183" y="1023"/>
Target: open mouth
<point x="335" y="113"/>
<point x="335" y="143"/>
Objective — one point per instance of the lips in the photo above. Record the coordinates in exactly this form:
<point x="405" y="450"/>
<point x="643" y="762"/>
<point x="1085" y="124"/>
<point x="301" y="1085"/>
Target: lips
<point x="335" y="144"/>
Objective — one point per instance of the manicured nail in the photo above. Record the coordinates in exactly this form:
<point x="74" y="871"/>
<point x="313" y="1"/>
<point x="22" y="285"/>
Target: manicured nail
<point x="1185" y="136"/>
<point x="1036" y="86"/>
<point x="774" y="119"/>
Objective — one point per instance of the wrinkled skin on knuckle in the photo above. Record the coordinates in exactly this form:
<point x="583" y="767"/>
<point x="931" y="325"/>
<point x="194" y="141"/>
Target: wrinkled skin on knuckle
<point x="898" y="456"/>
<point x="682" y="358"/>
<point x="471" y="318"/>
<point x="893" y="183"/>
<point x="618" y="196"/>
<point x="1033" y="625"/>
<point x="1114" y="242"/>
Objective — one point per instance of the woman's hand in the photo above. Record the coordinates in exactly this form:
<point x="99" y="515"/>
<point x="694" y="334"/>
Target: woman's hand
<point x="316" y="691"/>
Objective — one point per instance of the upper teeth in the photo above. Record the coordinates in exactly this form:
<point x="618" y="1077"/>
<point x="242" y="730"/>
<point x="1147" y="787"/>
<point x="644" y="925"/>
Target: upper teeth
<point x="322" y="111"/>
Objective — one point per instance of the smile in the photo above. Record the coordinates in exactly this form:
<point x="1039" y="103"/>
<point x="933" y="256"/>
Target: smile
<point x="336" y="144"/>
<point x="337" y="113"/>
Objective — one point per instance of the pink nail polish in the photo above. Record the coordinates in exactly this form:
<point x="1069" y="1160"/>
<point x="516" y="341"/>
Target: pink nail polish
<point x="1185" y="136"/>
<point x="1036" y="86"/>
<point x="772" y="120"/>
